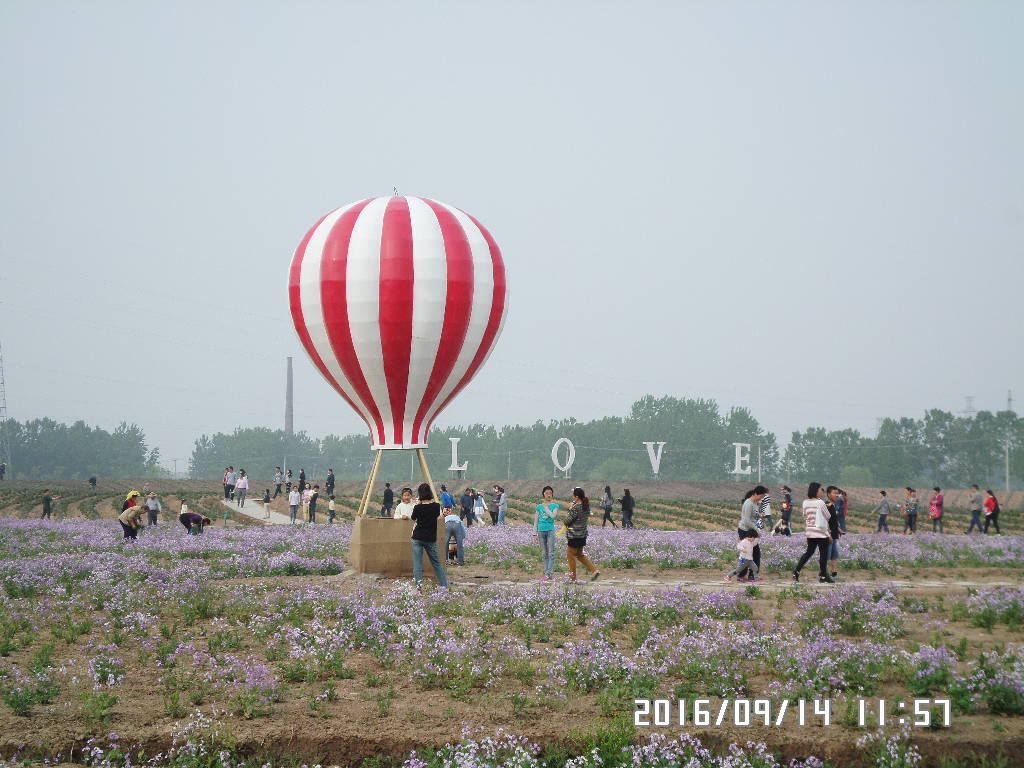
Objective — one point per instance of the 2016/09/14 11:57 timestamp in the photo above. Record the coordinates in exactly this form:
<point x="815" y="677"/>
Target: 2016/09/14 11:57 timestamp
<point x="663" y="713"/>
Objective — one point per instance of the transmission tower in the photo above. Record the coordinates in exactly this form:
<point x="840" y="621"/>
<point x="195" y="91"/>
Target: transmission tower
<point x="968" y="410"/>
<point x="5" y="440"/>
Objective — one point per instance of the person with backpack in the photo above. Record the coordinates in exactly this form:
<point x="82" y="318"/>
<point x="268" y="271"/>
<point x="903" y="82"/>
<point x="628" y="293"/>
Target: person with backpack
<point x="816" y="528"/>
<point x="606" y="506"/>
<point x="628" y="504"/>
<point x="991" y="511"/>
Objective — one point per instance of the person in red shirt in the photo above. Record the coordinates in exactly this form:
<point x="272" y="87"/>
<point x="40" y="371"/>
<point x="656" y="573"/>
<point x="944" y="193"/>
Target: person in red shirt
<point x="991" y="511"/>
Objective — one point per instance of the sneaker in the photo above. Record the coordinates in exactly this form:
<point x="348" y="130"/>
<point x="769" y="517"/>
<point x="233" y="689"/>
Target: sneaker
<point x="826" y="580"/>
<point x="796" y="575"/>
<point x="595" y="575"/>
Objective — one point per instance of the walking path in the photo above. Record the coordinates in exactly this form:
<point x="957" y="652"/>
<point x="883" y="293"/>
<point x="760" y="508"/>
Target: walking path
<point x="254" y="509"/>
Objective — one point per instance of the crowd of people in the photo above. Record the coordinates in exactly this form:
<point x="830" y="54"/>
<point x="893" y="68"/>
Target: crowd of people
<point x="824" y="514"/>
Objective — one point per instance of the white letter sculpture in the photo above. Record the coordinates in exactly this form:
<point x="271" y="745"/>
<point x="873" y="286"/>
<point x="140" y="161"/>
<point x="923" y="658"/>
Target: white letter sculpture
<point x="455" y="466"/>
<point x="742" y="466"/>
<point x="654" y="454"/>
<point x="569" y="459"/>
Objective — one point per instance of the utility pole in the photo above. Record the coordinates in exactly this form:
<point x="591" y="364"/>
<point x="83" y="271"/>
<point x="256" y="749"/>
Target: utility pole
<point x="1006" y="454"/>
<point x="5" y="440"/>
<point x="1009" y="400"/>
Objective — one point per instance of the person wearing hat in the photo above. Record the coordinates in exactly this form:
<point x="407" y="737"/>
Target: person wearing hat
<point x="130" y="500"/>
<point x="153" y="508"/>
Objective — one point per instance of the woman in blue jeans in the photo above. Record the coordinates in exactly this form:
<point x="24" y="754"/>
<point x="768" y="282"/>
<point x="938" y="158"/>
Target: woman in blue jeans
<point x="544" y="530"/>
<point x="424" y="536"/>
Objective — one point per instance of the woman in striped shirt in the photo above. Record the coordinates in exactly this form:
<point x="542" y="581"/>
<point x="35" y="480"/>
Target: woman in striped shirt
<point x="816" y="517"/>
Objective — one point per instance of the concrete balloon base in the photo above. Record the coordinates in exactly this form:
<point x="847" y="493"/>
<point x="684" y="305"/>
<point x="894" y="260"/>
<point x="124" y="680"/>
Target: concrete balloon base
<point x="382" y="546"/>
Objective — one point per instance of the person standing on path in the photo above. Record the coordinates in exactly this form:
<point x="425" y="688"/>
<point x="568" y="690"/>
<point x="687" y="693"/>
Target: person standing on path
<point x="454" y="530"/>
<point x="628" y="505"/>
<point x="466" y="505"/>
<point x="231" y="479"/>
<point x="266" y="503"/>
<point x="480" y="507"/>
<point x="991" y="511"/>
<point x="241" y="488"/>
<point x="748" y="513"/>
<point x="153" y="509"/>
<point x="833" y="495"/>
<point x="224" y="482"/>
<point x="424" y="535"/>
<point x="607" y="504"/>
<point x="332" y="510"/>
<point x="278" y="481"/>
<point x="294" y="499"/>
<point x="975" y="505"/>
<point x="544" y="529"/>
<point x="389" y="501"/>
<point x="816" y="517"/>
<point x="47" y="505"/>
<point x="329" y="483"/>
<point x="313" y="496"/>
<point x="576" y="534"/>
<point x="882" y="511"/>
<point x="840" y="504"/>
<point x="502" y="503"/>
<point x="288" y="481"/>
<point x="787" y="510"/>
<point x="910" y="512"/>
<point x="935" y="509"/>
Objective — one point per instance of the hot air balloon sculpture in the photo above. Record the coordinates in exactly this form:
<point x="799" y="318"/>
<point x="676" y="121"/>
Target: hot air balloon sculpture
<point x="398" y="301"/>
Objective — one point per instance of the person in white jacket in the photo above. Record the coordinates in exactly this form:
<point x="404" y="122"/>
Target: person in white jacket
<point x="404" y="509"/>
<point x="816" y="517"/>
<point x="241" y="487"/>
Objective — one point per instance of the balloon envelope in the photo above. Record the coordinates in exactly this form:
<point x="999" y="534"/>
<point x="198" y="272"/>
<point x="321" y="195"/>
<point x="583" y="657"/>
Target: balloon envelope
<point x="398" y="302"/>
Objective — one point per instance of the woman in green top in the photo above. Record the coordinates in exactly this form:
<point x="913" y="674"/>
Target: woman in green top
<point x="544" y="529"/>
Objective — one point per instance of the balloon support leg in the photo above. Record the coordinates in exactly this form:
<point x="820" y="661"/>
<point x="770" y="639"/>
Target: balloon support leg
<point x="364" y="502"/>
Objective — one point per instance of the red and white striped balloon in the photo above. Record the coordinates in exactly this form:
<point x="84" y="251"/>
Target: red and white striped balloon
<point x="398" y="301"/>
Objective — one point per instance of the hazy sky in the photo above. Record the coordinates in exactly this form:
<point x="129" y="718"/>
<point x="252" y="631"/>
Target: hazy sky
<point x="812" y="209"/>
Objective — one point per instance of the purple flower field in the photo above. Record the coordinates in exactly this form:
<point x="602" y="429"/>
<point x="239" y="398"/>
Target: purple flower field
<point x="253" y="629"/>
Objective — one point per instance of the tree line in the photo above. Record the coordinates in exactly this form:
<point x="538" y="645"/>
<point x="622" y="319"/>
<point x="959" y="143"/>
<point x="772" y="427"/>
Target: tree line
<point x="938" y="449"/>
<point x="46" y="449"/>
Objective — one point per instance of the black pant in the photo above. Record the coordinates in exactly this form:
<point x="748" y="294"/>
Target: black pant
<point x="937" y="525"/>
<point x="608" y="518"/>
<point x="883" y="524"/>
<point x="975" y="520"/>
<point x="467" y="516"/>
<point x="227" y="493"/>
<point x="312" y="512"/>
<point x="46" y="514"/>
<point x="129" y="532"/>
<point x="627" y="519"/>
<point x="757" y="547"/>
<point x="994" y="519"/>
<point x="494" y="516"/>
<point x="815" y="544"/>
<point x="910" y="523"/>
<point x="152" y="516"/>
<point x="277" y="490"/>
